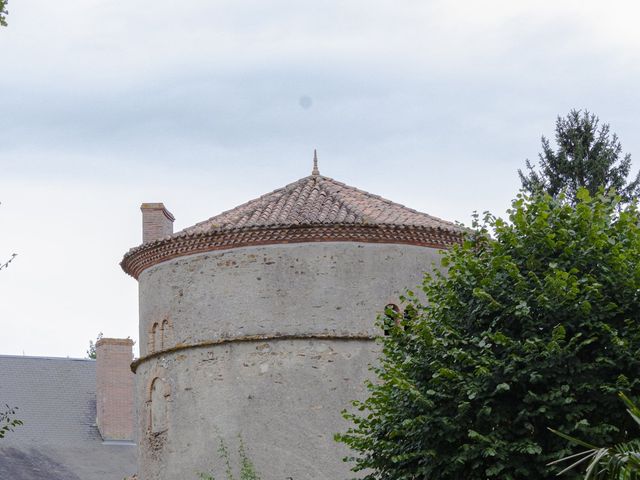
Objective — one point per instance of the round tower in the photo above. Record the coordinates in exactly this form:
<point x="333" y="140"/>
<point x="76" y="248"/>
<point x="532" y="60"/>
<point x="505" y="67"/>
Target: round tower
<point x="260" y="323"/>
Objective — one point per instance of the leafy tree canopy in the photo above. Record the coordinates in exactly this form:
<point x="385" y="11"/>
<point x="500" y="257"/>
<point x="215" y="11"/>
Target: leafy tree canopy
<point x="618" y="462"/>
<point x="91" y="352"/>
<point x="536" y="327"/>
<point x="8" y="421"/>
<point x="3" y="13"/>
<point x="587" y="155"/>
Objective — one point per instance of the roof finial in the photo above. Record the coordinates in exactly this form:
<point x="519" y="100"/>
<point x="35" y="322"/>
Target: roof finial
<point x="315" y="163"/>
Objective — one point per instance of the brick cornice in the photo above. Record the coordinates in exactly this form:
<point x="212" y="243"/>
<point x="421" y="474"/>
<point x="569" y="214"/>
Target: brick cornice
<point x="149" y="254"/>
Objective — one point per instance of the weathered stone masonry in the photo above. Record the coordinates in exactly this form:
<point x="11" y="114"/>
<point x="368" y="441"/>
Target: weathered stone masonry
<point x="260" y="322"/>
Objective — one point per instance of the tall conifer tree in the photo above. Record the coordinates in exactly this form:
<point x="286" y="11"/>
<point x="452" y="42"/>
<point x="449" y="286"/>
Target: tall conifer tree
<point x="587" y="155"/>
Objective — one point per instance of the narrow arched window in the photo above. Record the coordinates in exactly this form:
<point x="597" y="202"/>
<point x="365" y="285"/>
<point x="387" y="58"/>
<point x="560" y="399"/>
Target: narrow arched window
<point x="159" y="398"/>
<point x="166" y="334"/>
<point x="154" y="338"/>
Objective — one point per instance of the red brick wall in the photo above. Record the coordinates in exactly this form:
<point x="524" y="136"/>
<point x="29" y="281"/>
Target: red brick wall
<point x="157" y="222"/>
<point x="115" y="408"/>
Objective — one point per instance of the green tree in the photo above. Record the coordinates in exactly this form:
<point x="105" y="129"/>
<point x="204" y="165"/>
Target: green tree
<point x="587" y="156"/>
<point x="535" y="326"/>
<point x="8" y="420"/>
<point x="91" y="352"/>
<point x="3" y="13"/>
<point x="619" y="462"/>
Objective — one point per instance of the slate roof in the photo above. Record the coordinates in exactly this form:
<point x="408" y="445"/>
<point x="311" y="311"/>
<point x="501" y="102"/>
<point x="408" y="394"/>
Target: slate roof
<point x="56" y="400"/>
<point x="317" y="199"/>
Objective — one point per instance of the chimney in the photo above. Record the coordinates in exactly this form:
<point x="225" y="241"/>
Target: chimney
<point x="157" y="222"/>
<point x="114" y="392"/>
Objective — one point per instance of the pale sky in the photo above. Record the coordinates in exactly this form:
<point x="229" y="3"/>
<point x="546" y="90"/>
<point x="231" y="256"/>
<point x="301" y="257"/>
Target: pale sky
<point x="206" y="104"/>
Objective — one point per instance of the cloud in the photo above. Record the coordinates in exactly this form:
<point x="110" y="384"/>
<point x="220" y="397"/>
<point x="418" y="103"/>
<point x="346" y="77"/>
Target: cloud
<point x="434" y="104"/>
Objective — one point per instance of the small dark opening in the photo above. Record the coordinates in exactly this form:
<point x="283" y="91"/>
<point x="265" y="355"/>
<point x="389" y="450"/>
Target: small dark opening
<point x="390" y="317"/>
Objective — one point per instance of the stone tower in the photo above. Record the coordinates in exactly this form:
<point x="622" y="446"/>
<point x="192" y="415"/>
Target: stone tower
<point x="260" y="322"/>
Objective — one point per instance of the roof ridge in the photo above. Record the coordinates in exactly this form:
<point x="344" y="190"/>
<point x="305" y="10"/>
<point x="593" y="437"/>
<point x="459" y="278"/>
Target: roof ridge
<point x="341" y="202"/>
<point x="36" y="357"/>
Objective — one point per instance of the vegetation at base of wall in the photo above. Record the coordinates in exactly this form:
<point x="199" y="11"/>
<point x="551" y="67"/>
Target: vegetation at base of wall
<point x="8" y="422"/>
<point x="91" y="352"/>
<point x="587" y="156"/>
<point x="620" y="462"/>
<point x="247" y="469"/>
<point x="534" y="326"/>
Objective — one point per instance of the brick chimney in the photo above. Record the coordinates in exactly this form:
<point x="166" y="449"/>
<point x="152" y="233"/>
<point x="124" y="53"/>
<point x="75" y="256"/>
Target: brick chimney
<point x="114" y="392"/>
<point x="157" y="222"/>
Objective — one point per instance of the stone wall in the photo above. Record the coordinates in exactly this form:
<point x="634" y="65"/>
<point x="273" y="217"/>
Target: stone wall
<point x="283" y="397"/>
<point x="268" y="342"/>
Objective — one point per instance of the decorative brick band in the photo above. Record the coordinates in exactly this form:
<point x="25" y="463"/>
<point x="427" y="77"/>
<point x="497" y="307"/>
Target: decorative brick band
<point x="149" y="254"/>
<point x="248" y="338"/>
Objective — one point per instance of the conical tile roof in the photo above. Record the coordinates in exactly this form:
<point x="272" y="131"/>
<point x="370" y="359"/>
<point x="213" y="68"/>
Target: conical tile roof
<point x="318" y="200"/>
<point x="313" y="209"/>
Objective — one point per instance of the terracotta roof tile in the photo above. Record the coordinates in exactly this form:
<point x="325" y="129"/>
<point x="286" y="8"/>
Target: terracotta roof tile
<point x="313" y="209"/>
<point x="317" y="200"/>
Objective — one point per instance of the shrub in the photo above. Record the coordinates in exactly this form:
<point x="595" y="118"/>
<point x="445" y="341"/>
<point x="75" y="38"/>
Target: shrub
<point x="618" y="462"/>
<point x="535" y="326"/>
